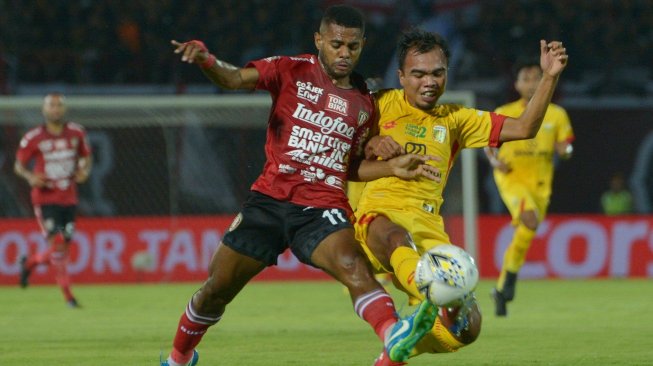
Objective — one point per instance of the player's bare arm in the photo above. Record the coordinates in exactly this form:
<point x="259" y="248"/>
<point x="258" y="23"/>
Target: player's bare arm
<point x="564" y="149"/>
<point x="407" y="166"/>
<point x="219" y="72"/>
<point x="83" y="169"/>
<point x="553" y="59"/>
<point x="34" y="180"/>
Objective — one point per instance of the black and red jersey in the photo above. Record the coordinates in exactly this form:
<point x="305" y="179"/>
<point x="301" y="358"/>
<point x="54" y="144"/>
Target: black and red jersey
<point x="313" y="128"/>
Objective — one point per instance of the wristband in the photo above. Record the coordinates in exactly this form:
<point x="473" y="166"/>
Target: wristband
<point x="210" y="61"/>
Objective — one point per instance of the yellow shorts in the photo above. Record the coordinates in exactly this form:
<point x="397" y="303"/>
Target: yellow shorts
<point x="426" y="228"/>
<point x="518" y="198"/>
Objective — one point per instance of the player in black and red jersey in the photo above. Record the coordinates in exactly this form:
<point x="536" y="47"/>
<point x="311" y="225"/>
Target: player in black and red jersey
<point x="322" y="114"/>
<point x="61" y="158"/>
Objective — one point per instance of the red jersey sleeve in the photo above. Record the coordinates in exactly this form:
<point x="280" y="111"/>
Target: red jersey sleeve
<point x="268" y="69"/>
<point x="26" y="148"/>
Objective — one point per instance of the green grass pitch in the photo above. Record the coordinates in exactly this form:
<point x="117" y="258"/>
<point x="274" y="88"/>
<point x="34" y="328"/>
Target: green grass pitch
<point x="597" y="322"/>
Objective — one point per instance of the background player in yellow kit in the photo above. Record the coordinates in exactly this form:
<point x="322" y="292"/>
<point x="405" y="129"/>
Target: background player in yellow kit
<point x="397" y="220"/>
<point x="523" y="171"/>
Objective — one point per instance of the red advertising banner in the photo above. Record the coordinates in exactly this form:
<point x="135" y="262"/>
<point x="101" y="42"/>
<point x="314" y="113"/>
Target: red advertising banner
<point x="156" y="249"/>
<point x="147" y="249"/>
<point x="571" y="246"/>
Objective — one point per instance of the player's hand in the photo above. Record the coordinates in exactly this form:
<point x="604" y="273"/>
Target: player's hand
<point x="81" y="175"/>
<point x="384" y="147"/>
<point x="501" y="166"/>
<point x="553" y="57"/>
<point x="37" y="180"/>
<point x="192" y="51"/>
<point x="412" y="166"/>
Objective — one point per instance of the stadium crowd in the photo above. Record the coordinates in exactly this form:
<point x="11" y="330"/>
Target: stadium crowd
<point x="127" y="41"/>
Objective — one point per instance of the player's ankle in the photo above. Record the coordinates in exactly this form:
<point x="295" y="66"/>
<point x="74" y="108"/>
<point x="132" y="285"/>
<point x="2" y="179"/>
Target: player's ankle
<point x="180" y="359"/>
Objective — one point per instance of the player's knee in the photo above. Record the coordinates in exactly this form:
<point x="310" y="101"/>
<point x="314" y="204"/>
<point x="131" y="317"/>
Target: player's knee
<point x="354" y="271"/>
<point x="529" y="219"/>
<point x="212" y="297"/>
<point x="473" y="330"/>
<point x="397" y="238"/>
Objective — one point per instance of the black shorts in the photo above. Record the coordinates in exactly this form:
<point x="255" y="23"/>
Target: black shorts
<point x="266" y="227"/>
<point x="55" y="219"/>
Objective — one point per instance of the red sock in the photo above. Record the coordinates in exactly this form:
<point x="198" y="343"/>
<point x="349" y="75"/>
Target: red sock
<point x="190" y="331"/>
<point x="39" y="258"/>
<point x="378" y="309"/>
<point x="60" y="263"/>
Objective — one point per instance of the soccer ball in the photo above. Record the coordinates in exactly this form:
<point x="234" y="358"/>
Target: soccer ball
<point x="446" y="274"/>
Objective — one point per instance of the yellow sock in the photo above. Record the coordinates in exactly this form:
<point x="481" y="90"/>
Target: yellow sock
<point x="404" y="261"/>
<point x="515" y="255"/>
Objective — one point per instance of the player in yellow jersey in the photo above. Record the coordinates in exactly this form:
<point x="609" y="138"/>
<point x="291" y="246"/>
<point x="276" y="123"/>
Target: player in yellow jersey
<point x="523" y="171"/>
<point x="398" y="220"/>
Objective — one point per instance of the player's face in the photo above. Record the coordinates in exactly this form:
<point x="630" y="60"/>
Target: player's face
<point x="54" y="108"/>
<point x="424" y="77"/>
<point x="527" y="80"/>
<point x="339" y="49"/>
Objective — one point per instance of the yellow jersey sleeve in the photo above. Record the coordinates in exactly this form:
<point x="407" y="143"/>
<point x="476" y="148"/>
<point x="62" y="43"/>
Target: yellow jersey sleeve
<point x="531" y="160"/>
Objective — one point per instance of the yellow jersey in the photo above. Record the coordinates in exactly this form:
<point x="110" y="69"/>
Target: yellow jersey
<point x="442" y="131"/>
<point x="532" y="160"/>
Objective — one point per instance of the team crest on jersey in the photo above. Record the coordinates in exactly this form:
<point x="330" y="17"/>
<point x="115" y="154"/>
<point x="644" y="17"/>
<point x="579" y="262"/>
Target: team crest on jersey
<point x="439" y="133"/>
<point x="74" y="142"/>
<point x="337" y="104"/>
<point x="362" y="117"/>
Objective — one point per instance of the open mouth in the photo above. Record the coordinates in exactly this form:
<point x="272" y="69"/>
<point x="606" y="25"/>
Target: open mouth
<point x="429" y="96"/>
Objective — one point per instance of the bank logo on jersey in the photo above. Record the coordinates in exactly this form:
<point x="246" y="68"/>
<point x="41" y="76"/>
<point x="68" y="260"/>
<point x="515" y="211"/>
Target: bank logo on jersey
<point x="439" y="133"/>
<point x="337" y="104"/>
<point x="308" y="91"/>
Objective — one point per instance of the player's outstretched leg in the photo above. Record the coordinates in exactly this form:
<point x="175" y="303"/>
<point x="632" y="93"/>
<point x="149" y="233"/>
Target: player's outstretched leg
<point x="404" y="335"/>
<point x="192" y="362"/>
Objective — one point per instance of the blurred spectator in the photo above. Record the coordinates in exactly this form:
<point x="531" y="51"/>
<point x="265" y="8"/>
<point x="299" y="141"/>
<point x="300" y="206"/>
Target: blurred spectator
<point x="122" y="41"/>
<point x="617" y="200"/>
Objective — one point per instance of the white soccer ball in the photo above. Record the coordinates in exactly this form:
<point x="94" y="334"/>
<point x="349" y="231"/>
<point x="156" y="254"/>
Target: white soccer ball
<point x="446" y="274"/>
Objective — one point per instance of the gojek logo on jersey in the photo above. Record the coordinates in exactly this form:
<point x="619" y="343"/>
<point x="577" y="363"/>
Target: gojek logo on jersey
<point x="308" y="91"/>
<point x="326" y="124"/>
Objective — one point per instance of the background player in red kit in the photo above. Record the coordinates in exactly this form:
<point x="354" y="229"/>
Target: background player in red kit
<point x="61" y="158"/>
<point x="322" y="114"/>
